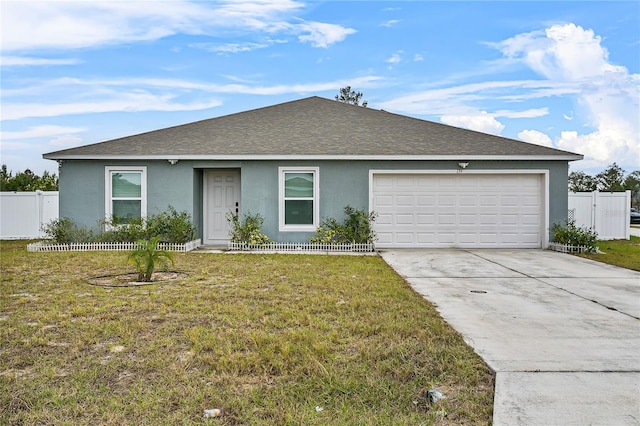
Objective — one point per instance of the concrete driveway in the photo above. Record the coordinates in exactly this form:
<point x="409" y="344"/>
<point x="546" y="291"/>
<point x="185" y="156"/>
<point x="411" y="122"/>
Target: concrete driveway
<point x="562" y="333"/>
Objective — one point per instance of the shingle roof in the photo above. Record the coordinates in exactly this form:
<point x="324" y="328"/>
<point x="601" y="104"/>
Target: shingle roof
<point x="311" y="127"/>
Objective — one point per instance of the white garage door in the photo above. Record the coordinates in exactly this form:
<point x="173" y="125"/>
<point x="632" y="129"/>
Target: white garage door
<point x="458" y="210"/>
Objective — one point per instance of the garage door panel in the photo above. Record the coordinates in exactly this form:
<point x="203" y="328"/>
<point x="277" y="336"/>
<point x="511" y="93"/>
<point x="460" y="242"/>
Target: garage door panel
<point x="404" y="200"/>
<point x="384" y="219"/>
<point x="426" y="237"/>
<point x="405" y="237"/>
<point x="468" y="200"/>
<point x="406" y="182"/>
<point x="425" y="219"/>
<point x="426" y="200"/>
<point x="467" y="219"/>
<point x="404" y="219"/>
<point x="446" y="239"/>
<point x="425" y="210"/>
<point x="488" y="219"/>
<point x="530" y="201"/>
<point x="446" y="219"/>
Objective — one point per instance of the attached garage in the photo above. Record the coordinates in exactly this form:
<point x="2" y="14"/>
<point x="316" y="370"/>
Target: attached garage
<point x="487" y="209"/>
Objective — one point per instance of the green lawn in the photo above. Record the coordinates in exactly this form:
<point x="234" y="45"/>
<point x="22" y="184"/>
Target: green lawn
<point x="266" y="338"/>
<point x="625" y="253"/>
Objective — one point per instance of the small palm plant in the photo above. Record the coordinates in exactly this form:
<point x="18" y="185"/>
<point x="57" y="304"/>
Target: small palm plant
<point x="147" y="256"/>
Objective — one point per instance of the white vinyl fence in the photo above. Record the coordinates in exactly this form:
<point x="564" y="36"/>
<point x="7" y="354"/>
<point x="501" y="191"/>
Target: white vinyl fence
<point x="22" y="214"/>
<point x="607" y="213"/>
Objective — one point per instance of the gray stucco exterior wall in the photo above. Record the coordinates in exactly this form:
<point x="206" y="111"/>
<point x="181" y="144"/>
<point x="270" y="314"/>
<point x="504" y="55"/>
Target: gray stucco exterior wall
<point x="82" y="188"/>
<point x="342" y="183"/>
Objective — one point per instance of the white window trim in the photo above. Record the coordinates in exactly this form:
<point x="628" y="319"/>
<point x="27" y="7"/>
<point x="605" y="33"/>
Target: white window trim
<point x="316" y="199"/>
<point x="108" y="170"/>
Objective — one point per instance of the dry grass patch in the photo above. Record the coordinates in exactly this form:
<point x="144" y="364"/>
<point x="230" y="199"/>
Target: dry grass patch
<point x="266" y="338"/>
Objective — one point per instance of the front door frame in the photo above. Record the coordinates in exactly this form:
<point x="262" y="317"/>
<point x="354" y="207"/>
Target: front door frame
<point x="208" y="194"/>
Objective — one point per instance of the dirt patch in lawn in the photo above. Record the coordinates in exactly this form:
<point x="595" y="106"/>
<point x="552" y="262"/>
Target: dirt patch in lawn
<point x="131" y="279"/>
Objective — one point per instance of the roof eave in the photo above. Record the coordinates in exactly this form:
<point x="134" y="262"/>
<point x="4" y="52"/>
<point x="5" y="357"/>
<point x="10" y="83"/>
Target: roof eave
<point x="555" y="157"/>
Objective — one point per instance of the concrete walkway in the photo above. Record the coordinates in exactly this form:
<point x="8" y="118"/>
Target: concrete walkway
<point x="562" y="333"/>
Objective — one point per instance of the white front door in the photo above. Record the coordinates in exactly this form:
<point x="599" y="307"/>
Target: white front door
<point x="221" y="195"/>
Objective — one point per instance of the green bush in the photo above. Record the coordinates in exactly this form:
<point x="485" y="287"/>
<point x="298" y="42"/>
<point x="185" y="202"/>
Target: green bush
<point x="573" y="235"/>
<point x="65" y="231"/>
<point x="357" y="228"/>
<point x="133" y="230"/>
<point x="169" y="226"/>
<point x="247" y="231"/>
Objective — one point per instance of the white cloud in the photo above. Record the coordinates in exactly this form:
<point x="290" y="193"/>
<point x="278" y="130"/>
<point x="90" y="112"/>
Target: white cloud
<point x="28" y="26"/>
<point x="418" y="57"/>
<point x="459" y="100"/>
<point x="140" y="94"/>
<point x="11" y="61"/>
<point x="66" y="141"/>
<point x="41" y="131"/>
<point x="389" y="23"/>
<point x="127" y="102"/>
<point x="535" y="137"/>
<point x="481" y="122"/>
<point x="609" y="93"/>
<point x="573" y="65"/>
<point x="230" y="47"/>
<point x="529" y="113"/>
<point x="561" y="52"/>
<point x="395" y="58"/>
<point x="322" y="34"/>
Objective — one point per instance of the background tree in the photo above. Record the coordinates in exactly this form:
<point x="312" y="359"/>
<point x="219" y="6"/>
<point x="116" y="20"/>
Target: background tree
<point x="582" y="182"/>
<point x="27" y="181"/>
<point x="349" y="96"/>
<point x="611" y="179"/>
<point x="632" y="183"/>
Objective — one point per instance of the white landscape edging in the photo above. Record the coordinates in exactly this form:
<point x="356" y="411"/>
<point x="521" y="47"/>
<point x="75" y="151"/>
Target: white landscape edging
<point x="303" y="247"/>
<point x="43" y="246"/>
<point x="568" y="248"/>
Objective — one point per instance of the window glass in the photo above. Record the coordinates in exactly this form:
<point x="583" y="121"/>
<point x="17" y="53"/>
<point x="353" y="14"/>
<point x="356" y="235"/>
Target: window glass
<point x="298" y="185"/>
<point x="126" y="185"/>
<point x="298" y="212"/>
<point x="298" y="199"/>
<point x="125" y="190"/>
<point x="126" y="210"/>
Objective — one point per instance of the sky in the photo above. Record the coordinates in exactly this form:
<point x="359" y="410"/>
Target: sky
<point x="553" y="73"/>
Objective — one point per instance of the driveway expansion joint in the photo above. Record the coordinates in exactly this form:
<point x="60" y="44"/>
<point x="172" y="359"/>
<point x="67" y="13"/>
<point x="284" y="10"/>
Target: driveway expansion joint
<point x="540" y="279"/>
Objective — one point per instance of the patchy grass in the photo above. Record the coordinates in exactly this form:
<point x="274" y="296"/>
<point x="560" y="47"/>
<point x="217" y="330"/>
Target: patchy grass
<point x="624" y="253"/>
<point x="266" y="338"/>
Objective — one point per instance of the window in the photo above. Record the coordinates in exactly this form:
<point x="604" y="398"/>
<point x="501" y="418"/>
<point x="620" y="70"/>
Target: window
<point x="298" y="193"/>
<point x="125" y="193"/>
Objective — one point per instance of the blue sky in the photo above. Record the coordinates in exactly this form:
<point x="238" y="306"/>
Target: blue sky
<point x="560" y="74"/>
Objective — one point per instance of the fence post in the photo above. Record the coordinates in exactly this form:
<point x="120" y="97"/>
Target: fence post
<point x="594" y="208"/>
<point x="39" y="207"/>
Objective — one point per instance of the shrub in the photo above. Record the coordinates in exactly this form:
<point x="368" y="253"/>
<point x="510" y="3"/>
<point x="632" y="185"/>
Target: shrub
<point x="357" y="228"/>
<point x="146" y="256"/>
<point x="134" y="230"/>
<point x="247" y="231"/>
<point x="169" y="226"/>
<point x="65" y="231"/>
<point x="571" y="234"/>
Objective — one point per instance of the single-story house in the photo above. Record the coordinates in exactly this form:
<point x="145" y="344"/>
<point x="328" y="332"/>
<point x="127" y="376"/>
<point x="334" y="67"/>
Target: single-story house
<point x="299" y="162"/>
